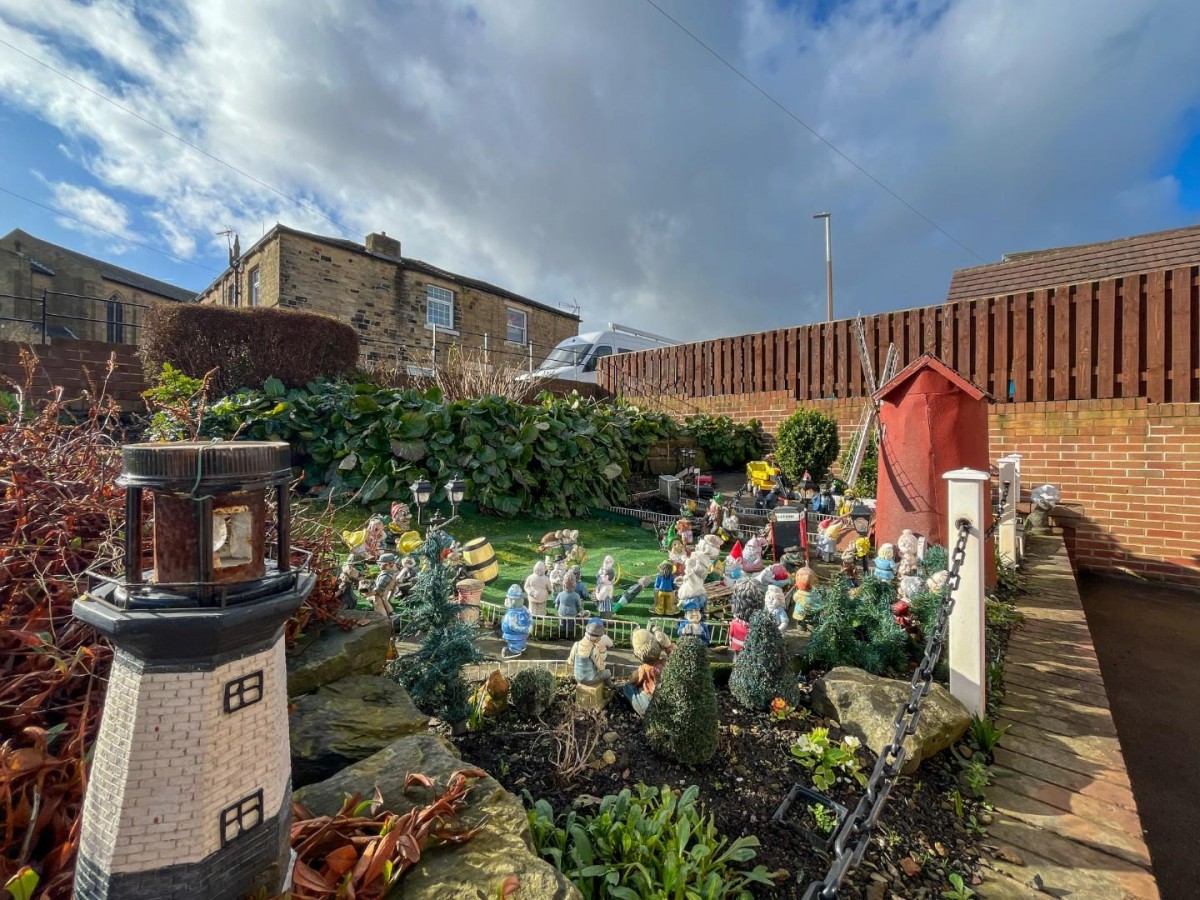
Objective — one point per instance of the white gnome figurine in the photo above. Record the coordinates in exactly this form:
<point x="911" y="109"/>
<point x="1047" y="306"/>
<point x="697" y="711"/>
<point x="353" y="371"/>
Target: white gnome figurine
<point x="937" y="581"/>
<point x="558" y="576"/>
<point x="752" y="555"/>
<point x="603" y="595"/>
<point x="537" y="588"/>
<point x="776" y="606"/>
<point x="906" y="548"/>
<point x="692" y="585"/>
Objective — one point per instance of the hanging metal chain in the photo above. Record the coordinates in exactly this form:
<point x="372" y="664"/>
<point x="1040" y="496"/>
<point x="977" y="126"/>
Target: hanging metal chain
<point x="853" y="835"/>
<point x="998" y="513"/>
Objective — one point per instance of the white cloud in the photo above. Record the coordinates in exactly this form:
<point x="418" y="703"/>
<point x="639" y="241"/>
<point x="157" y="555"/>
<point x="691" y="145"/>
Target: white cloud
<point x="91" y="207"/>
<point x="592" y="151"/>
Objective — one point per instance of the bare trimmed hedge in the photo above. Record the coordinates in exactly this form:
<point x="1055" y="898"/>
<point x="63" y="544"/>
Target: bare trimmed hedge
<point x="246" y="346"/>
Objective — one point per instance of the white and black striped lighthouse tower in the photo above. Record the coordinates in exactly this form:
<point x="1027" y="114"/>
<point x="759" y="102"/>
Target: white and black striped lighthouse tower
<point x="190" y="784"/>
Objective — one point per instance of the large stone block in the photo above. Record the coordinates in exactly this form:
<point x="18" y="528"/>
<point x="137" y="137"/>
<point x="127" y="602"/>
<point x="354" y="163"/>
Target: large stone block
<point x="347" y="721"/>
<point x="335" y="652"/>
<point x="472" y="871"/>
<point x="865" y="706"/>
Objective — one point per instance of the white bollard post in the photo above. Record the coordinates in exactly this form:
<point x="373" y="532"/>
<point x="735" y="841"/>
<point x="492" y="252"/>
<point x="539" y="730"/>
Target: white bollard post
<point x="1006" y="527"/>
<point x="968" y="661"/>
<point x="1018" y="525"/>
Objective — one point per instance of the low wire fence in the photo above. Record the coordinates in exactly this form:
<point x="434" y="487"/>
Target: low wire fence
<point x="556" y="628"/>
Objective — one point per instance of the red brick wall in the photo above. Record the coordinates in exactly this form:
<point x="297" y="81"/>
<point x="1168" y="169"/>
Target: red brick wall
<point x="67" y="364"/>
<point x="1129" y="471"/>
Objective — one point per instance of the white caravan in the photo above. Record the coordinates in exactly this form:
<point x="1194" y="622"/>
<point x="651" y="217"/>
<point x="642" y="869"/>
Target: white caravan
<point x="575" y="358"/>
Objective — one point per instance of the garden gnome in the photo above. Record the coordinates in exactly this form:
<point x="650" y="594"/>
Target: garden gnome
<point x="850" y="566"/>
<point x="551" y="540"/>
<point x="569" y="539"/>
<point x="709" y="546"/>
<point x="664" y="591"/>
<point x="885" y="566"/>
<point x="775" y="574"/>
<point x="752" y="555"/>
<point x="580" y="588"/>
<point x="401" y="518"/>
<point x="631" y="593"/>
<point x="678" y="556"/>
<point x="683" y="531"/>
<point x="568" y="603"/>
<point x="558" y="575"/>
<point x="609" y="565"/>
<point x="385" y="585"/>
<point x="406" y="577"/>
<point x="776" y="606"/>
<point x="828" y="533"/>
<point x="604" y="591"/>
<point x="748" y="598"/>
<point x="805" y="580"/>
<point x="588" y="657"/>
<point x="537" y="587"/>
<point x="517" y="622"/>
<point x="937" y="581"/>
<point x="906" y="547"/>
<point x="792" y="559"/>
<point x="353" y="571"/>
<point x="910" y="586"/>
<point x="731" y="524"/>
<point x="862" y="550"/>
<point x="848" y="503"/>
<point x="649" y="653"/>
<point x="693" y="622"/>
<point x="692" y="586"/>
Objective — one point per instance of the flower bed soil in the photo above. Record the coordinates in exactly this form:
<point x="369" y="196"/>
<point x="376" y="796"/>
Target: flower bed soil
<point x="742" y="787"/>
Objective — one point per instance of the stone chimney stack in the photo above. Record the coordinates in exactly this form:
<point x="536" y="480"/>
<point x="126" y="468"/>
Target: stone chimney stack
<point x="382" y="245"/>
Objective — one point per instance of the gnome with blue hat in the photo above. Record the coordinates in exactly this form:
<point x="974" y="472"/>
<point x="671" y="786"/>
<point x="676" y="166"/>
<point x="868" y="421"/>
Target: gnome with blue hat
<point x="517" y="622"/>
<point x="693" y="621"/>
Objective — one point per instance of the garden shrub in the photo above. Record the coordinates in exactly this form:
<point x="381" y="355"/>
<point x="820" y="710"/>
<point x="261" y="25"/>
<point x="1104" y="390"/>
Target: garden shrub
<point x="807" y="442"/>
<point x="726" y="444"/>
<point x="656" y="844"/>
<point x="761" y="671"/>
<point x="531" y="692"/>
<point x="681" y="722"/>
<point x="246" y="346"/>
<point x="867" y="483"/>
<point x="557" y="457"/>
<point x="858" y="630"/>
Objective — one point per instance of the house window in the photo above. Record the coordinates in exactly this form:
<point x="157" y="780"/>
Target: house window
<point x="439" y="306"/>
<point x="244" y="691"/>
<point x="115" y="315"/>
<point x="255" y="286"/>
<point x="240" y="817"/>
<point x="518" y="326"/>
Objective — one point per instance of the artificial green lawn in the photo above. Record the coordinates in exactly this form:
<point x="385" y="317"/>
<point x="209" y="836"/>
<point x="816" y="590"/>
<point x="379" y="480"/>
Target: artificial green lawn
<point x="515" y="541"/>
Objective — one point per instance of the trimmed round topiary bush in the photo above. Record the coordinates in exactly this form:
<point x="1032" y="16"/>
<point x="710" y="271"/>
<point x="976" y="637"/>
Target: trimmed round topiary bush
<point x="761" y="672"/>
<point x="531" y="692"/>
<point x="681" y="722"/>
<point x="807" y="441"/>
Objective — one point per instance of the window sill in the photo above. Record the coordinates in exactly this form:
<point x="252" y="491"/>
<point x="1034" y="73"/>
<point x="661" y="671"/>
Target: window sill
<point x="522" y="344"/>
<point x="453" y="332"/>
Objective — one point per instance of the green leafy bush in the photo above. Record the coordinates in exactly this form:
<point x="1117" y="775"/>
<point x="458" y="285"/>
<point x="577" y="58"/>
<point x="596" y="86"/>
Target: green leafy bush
<point x="652" y="845"/>
<point x="807" y="441"/>
<point x="681" y="722"/>
<point x="867" y="483"/>
<point x="246" y="346"/>
<point x="557" y="457"/>
<point x="175" y="401"/>
<point x="761" y="671"/>
<point x="857" y="630"/>
<point x="828" y="760"/>
<point x="726" y="444"/>
<point x="531" y="692"/>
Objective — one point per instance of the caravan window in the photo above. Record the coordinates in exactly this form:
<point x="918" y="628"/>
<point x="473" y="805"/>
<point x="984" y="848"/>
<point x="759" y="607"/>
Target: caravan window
<point x="602" y="350"/>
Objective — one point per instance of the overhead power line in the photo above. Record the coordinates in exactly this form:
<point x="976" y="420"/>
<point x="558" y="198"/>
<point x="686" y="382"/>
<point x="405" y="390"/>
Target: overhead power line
<point x="820" y="137"/>
<point x="120" y="237"/>
<point x="125" y="109"/>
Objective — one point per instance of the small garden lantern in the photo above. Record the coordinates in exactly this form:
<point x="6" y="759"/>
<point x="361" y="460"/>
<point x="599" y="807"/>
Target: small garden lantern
<point x="456" y="489"/>
<point x="422" y="490"/>
<point x="860" y="518"/>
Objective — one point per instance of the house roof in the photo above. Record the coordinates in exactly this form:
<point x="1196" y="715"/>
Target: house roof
<point x="413" y="265"/>
<point x="929" y="361"/>
<point x="107" y="270"/>
<point x="1033" y="269"/>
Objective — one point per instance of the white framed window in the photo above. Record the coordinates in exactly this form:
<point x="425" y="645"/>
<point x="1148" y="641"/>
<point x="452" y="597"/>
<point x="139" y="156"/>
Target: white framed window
<point x="255" y="286"/>
<point x="439" y="306"/>
<point x="518" y="326"/>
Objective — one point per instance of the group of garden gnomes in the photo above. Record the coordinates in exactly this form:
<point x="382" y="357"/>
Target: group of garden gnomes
<point x="385" y="544"/>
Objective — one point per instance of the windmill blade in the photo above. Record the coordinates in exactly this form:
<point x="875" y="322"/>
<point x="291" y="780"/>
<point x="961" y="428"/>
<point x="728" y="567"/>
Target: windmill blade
<point x="864" y="355"/>
<point x="861" y="440"/>
<point x="890" y="365"/>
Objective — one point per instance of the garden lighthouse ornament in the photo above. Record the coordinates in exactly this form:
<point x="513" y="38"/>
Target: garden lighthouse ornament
<point x="189" y="793"/>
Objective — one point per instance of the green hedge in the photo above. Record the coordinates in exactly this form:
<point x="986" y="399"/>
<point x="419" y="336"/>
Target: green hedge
<point x="557" y="457"/>
<point x="726" y="444"/>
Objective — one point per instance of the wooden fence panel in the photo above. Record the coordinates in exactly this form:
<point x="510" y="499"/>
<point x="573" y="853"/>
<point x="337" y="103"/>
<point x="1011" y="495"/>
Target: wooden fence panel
<point x="814" y="362"/>
<point x="1130" y="336"/>
<point x="1107" y="340"/>
<point x="1061" y="348"/>
<point x="1084" y="356"/>
<point x="961" y="332"/>
<point x="1040" y="361"/>
<point x="1182" y="332"/>
<point x="1156" y="337"/>
<point x="981" y="324"/>
<point x="1002" y="315"/>
<point x="1020" y="349"/>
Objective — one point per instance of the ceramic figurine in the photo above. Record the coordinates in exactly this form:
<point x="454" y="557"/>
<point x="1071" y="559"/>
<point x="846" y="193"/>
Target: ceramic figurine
<point x="805" y="580"/>
<point x="647" y="651"/>
<point x="752" y="555"/>
<point x="885" y="567"/>
<point x="385" y="585"/>
<point x="400" y="519"/>
<point x="570" y="538"/>
<point x="731" y="524"/>
<point x="906" y="550"/>
<point x="631" y="593"/>
<point x="588" y="657"/>
<point x="693" y="622"/>
<point x="406" y="577"/>
<point x="862" y="551"/>
<point x="580" y="588"/>
<point x="517" y="622"/>
<point x="910" y="586"/>
<point x="609" y="565"/>
<point x="352" y="573"/>
<point x="551" y="540"/>
<point x="792" y="559"/>
<point x="848" y="503"/>
<point x="692" y="585"/>
<point x="568" y="603"/>
<point x="709" y="547"/>
<point x="774" y="575"/>
<point x="664" y="591"/>
<point x="558" y="574"/>
<point x="850" y="566"/>
<point x="748" y="598"/>
<point x="367" y="542"/>
<point x="775" y="604"/>
<point x="714" y="515"/>
<point x="604" y="591"/>
<point x="678" y="556"/>
<point x="684" y="532"/>
<point x="937" y="581"/>
<point x="537" y="587"/>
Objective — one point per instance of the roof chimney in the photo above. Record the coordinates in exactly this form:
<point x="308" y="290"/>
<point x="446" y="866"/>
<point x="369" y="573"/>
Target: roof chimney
<point x="382" y="245"/>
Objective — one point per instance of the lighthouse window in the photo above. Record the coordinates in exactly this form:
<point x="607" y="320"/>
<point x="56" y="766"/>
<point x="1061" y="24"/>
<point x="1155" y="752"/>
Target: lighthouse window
<point x="240" y="817"/>
<point x="243" y="691"/>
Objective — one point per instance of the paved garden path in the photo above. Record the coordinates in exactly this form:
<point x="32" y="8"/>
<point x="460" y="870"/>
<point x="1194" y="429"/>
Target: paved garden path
<point x="1065" y="814"/>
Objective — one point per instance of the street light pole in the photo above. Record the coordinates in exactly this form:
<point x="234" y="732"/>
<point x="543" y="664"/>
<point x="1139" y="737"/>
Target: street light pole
<point x="828" y="264"/>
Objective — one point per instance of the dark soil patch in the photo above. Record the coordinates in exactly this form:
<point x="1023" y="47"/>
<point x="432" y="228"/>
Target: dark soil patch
<point x="743" y="786"/>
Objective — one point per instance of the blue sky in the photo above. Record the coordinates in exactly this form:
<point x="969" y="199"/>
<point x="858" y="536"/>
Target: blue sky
<point x="591" y="152"/>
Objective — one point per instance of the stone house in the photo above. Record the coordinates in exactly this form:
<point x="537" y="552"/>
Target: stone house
<point x="401" y="307"/>
<point x="85" y="299"/>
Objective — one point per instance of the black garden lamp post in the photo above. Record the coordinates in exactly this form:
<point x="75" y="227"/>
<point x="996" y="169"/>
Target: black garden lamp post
<point x="860" y="518"/>
<point x="422" y="490"/>
<point x="456" y="489"/>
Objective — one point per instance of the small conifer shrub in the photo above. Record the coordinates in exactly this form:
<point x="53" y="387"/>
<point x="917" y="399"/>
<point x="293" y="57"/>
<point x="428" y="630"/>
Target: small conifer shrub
<point x="681" y="722"/>
<point x="761" y="672"/>
<point x="531" y="692"/>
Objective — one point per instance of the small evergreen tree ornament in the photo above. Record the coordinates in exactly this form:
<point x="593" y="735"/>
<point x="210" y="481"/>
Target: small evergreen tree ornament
<point x="432" y="674"/>
<point x="857" y="628"/>
<point x="761" y="672"/>
<point x="681" y="722"/>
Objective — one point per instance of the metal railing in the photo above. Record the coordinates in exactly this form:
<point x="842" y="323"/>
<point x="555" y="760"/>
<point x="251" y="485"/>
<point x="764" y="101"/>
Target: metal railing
<point x="551" y="628"/>
<point x="43" y="317"/>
